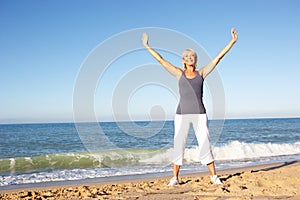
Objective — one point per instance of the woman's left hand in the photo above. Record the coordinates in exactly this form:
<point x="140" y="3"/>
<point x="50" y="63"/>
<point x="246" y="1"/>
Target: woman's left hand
<point x="234" y="34"/>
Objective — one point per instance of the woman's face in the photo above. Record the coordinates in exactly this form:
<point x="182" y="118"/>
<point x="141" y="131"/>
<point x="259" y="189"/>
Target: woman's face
<point x="189" y="58"/>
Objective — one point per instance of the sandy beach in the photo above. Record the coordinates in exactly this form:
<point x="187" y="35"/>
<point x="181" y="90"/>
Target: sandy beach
<point x="272" y="181"/>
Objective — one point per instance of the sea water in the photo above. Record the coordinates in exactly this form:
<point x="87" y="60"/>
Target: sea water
<point x="54" y="152"/>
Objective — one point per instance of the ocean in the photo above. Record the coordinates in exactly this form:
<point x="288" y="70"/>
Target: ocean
<point x="52" y="153"/>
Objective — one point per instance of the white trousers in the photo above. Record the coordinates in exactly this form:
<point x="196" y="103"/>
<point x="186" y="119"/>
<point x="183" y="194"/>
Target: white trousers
<point x="200" y="125"/>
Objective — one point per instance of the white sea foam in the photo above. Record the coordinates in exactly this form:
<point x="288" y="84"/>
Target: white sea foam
<point x="236" y="150"/>
<point x="76" y="174"/>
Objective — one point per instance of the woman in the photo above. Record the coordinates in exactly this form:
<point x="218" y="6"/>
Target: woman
<point x="190" y="108"/>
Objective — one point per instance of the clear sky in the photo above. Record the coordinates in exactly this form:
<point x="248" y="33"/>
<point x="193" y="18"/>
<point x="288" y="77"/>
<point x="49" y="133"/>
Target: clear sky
<point x="44" y="43"/>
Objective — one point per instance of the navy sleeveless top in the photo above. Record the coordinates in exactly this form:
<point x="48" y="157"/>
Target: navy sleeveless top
<point x="191" y="93"/>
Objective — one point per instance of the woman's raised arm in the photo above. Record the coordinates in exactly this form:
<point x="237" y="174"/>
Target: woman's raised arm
<point x="207" y="69"/>
<point x="175" y="71"/>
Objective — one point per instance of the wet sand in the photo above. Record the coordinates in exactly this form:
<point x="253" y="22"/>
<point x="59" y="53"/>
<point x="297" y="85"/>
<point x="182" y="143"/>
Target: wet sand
<point x="272" y="181"/>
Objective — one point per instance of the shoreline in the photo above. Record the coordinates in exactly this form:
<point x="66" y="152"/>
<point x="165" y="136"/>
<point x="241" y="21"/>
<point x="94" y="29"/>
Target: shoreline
<point x="128" y="178"/>
<point x="267" y="180"/>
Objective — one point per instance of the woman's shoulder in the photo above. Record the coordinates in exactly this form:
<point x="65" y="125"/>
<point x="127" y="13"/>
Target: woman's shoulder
<point x="200" y="72"/>
<point x="179" y="73"/>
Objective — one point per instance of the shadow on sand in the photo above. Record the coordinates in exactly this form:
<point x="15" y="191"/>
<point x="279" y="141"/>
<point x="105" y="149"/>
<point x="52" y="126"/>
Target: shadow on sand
<point x="280" y="165"/>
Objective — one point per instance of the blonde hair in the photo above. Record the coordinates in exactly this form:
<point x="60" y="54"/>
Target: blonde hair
<point x="194" y="52"/>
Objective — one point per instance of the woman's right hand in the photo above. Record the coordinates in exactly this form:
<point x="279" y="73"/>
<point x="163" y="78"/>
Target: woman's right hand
<point x="145" y="39"/>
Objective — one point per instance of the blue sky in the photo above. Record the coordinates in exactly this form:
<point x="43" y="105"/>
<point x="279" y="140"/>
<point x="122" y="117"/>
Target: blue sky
<point x="44" y="43"/>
